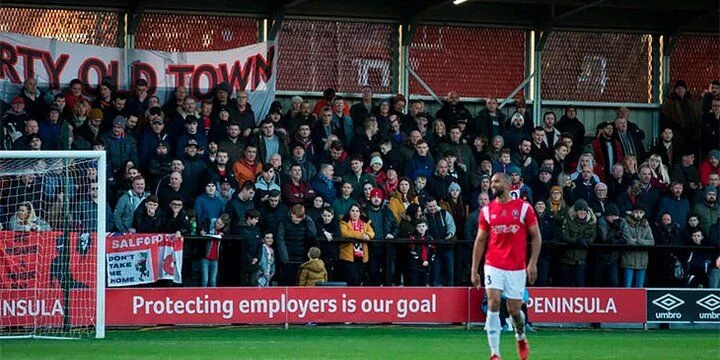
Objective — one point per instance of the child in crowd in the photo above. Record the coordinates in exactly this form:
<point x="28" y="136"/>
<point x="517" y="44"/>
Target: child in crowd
<point x="266" y="261"/>
<point x="313" y="271"/>
<point x="422" y="254"/>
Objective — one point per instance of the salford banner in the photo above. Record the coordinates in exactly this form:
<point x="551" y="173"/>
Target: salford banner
<point x="34" y="268"/>
<point x="134" y="259"/>
<point x="143" y="306"/>
<point x="54" y="63"/>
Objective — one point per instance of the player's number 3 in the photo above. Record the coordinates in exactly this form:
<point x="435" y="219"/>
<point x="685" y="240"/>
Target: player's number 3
<point x="488" y="280"/>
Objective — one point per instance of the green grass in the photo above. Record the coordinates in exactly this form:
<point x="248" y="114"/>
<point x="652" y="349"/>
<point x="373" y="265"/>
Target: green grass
<point x="368" y="343"/>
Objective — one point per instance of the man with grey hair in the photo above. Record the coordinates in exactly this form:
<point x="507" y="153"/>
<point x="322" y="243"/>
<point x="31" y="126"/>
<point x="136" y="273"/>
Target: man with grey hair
<point x="600" y="201"/>
<point x="631" y="142"/>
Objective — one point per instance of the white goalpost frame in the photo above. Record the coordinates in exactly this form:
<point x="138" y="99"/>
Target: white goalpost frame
<point x="101" y="157"/>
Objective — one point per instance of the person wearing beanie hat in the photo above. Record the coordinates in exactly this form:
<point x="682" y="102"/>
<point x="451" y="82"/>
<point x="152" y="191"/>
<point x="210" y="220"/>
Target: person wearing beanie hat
<point x="711" y="165"/>
<point x="612" y="229"/>
<point x="579" y="230"/>
<point x="384" y="226"/>
<point x="708" y="211"/>
<point x="634" y="262"/>
<point x="376" y="160"/>
<point x="119" y="146"/>
<point x="682" y="110"/>
<point x="119" y="121"/>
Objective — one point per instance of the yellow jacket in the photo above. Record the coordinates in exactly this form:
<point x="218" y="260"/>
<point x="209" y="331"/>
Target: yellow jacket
<point x="396" y="204"/>
<point x="346" y="231"/>
<point x="312" y="272"/>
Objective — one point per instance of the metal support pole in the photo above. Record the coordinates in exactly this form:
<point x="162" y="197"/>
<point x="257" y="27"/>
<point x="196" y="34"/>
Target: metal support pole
<point x="424" y="85"/>
<point x="537" y="101"/>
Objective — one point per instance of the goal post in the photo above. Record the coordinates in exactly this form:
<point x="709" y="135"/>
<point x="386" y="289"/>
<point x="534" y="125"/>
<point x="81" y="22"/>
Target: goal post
<point x="52" y="244"/>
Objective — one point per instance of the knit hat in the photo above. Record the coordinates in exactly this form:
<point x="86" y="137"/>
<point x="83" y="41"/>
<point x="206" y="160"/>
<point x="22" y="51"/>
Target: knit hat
<point x="119" y="120"/>
<point x="296" y="99"/>
<point x="376" y="160"/>
<point x="638" y="207"/>
<point x="714" y="154"/>
<point x="513" y="169"/>
<point x="376" y="193"/>
<point x="612" y="210"/>
<point x="55" y="107"/>
<point x="18" y="100"/>
<point x="680" y="83"/>
<point x="710" y="189"/>
<point x="545" y="169"/>
<point x="581" y="205"/>
<point x="453" y="186"/>
<point x="95" y="114"/>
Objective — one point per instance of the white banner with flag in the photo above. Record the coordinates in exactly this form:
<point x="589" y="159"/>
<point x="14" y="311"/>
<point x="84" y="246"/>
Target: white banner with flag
<point x="55" y="63"/>
<point x="134" y="259"/>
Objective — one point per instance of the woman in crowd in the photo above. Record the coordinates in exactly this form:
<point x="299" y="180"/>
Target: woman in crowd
<point x="660" y="175"/>
<point x="354" y="255"/>
<point x="25" y="219"/>
<point x="401" y="198"/>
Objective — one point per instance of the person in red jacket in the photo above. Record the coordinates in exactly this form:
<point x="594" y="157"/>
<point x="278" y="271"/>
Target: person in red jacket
<point x="711" y="165"/>
<point x="607" y="149"/>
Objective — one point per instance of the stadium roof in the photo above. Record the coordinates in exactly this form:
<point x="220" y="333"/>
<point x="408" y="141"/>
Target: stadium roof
<point x="653" y="16"/>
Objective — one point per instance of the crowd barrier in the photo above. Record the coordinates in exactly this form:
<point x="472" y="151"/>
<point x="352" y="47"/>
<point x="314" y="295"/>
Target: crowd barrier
<point x="33" y="287"/>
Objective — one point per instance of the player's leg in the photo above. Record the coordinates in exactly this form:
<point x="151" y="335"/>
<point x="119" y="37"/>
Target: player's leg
<point x="493" y="288"/>
<point x="514" y="291"/>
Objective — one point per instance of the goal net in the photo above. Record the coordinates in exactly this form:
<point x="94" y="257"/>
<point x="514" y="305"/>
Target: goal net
<point x="52" y="244"/>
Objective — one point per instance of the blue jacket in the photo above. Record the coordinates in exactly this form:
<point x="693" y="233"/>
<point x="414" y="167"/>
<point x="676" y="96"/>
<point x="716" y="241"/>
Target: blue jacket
<point x="324" y="187"/>
<point x="679" y="209"/>
<point x="417" y="166"/>
<point x="207" y="208"/>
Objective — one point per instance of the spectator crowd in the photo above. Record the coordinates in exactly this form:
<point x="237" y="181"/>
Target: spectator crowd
<point x="308" y="191"/>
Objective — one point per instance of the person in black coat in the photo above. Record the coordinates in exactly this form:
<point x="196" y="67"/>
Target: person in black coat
<point x="613" y="230"/>
<point x="663" y="265"/>
<point x="547" y="230"/>
<point x="251" y="241"/>
<point x="148" y="218"/>
<point x="296" y="234"/>
<point x="328" y="229"/>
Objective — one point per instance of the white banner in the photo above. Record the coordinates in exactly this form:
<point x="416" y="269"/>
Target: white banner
<point x="143" y="258"/>
<point x="55" y="63"/>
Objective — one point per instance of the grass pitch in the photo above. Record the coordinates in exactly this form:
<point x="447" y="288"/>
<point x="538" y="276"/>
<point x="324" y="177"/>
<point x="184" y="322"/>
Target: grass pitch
<point x="368" y="343"/>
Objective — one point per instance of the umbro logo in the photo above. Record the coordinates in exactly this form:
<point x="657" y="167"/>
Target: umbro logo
<point x="710" y="302"/>
<point x="668" y="302"/>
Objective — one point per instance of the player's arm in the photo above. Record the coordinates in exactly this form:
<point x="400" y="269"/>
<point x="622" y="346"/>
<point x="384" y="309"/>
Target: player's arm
<point x="535" y="245"/>
<point x="478" y="251"/>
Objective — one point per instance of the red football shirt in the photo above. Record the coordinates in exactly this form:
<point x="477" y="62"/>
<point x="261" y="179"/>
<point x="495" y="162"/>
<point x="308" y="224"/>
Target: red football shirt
<point x="507" y="224"/>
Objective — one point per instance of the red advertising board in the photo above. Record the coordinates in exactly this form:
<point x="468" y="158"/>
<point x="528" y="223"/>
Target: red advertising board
<point x="279" y="305"/>
<point x="577" y="305"/>
<point x="190" y="306"/>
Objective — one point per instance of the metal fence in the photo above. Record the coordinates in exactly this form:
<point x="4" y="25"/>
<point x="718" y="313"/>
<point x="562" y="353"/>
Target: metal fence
<point x="586" y="67"/>
<point x="474" y="61"/>
<point x="597" y="67"/>
<point x="172" y="32"/>
<point x="695" y="60"/>
<point x="79" y="26"/>
<point x="315" y="55"/>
